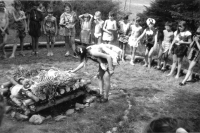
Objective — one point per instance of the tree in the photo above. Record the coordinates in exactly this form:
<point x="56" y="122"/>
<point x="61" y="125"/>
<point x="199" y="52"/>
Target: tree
<point x="174" y="10"/>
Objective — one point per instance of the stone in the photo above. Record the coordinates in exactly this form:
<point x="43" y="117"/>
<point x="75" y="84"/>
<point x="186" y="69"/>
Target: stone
<point x="19" y="116"/>
<point x="70" y="111"/>
<point x="8" y="109"/>
<point x="79" y="106"/>
<point x="90" y="99"/>
<point x="114" y="129"/>
<point x="36" y="119"/>
<point x="60" y="117"/>
<point x="48" y="117"/>
<point x="181" y="130"/>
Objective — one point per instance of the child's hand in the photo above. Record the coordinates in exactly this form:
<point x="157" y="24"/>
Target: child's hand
<point x="196" y="38"/>
<point x="169" y="52"/>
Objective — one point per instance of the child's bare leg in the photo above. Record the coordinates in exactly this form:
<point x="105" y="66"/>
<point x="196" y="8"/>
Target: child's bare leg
<point x="146" y="58"/>
<point x="48" y="45"/>
<point x="33" y="44"/>
<point x="189" y="72"/>
<point x="99" y="40"/>
<point x="67" y="45"/>
<point x="179" y="67"/>
<point x="21" y="46"/>
<point x="159" y="59"/>
<point x="123" y="51"/>
<point x="133" y="55"/>
<point x="13" y="51"/>
<point x="2" y="46"/>
<point x="52" y="44"/>
<point x="173" y="65"/>
<point x="72" y="43"/>
<point x="36" y="44"/>
<point x="150" y="57"/>
<point x="106" y="81"/>
<point x="100" y="80"/>
<point x="165" y="60"/>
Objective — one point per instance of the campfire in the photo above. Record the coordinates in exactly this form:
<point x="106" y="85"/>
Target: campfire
<point x="30" y="91"/>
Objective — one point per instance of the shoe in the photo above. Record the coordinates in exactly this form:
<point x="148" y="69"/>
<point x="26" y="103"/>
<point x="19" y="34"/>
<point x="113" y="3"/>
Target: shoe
<point x="182" y="84"/>
<point x="67" y="54"/>
<point x="163" y="69"/>
<point x="157" y="68"/>
<point x="103" y="66"/>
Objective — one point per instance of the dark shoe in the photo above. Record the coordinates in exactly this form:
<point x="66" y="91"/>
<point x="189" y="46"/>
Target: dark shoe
<point x="182" y="84"/>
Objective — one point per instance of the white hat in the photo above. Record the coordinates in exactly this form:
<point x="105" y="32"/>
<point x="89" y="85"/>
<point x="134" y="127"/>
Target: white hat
<point x="150" y="21"/>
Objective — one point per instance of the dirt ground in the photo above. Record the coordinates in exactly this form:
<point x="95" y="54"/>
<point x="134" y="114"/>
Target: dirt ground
<point x="152" y="95"/>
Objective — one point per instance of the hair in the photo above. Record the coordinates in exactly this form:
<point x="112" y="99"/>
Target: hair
<point x="81" y="51"/>
<point x="182" y="23"/>
<point x="36" y="3"/>
<point x="162" y="125"/>
<point x="69" y="5"/>
<point x="169" y="24"/>
<point x="111" y="14"/>
<point x="125" y="17"/>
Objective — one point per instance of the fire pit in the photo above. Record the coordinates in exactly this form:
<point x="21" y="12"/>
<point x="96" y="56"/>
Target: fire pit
<point x="48" y="87"/>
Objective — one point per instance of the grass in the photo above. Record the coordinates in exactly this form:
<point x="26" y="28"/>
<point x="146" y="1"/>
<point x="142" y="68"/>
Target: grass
<point x="152" y="95"/>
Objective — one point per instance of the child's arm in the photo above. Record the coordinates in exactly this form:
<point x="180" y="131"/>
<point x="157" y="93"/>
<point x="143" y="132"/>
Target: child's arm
<point x="156" y="39"/>
<point x="196" y="39"/>
<point x="15" y="18"/>
<point x="104" y="28"/>
<point x="115" y="26"/>
<point x="80" y="17"/>
<point x="32" y="96"/>
<point x="141" y="36"/>
<point x="7" y="21"/>
<point x="91" y="17"/>
<point x="44" y="25"/>
<point x="56" y="26"/>
<point x="105" y="56"/>
<point x="83" y="63"/>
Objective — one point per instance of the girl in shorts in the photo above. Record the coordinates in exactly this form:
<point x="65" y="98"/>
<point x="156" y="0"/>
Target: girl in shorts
<point x="101" y="54"/>
<point x="194" y="57"/>
<point x="150" y="34"/>
<point x="180" y="46"/>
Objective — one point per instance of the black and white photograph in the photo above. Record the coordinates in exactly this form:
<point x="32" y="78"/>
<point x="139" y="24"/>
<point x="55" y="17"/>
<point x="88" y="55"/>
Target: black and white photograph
<point x="99" y="66"/>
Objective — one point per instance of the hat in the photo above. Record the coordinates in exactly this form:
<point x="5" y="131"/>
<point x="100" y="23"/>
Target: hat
<point x="150" y="21"/>
<point x="97" y="14"/>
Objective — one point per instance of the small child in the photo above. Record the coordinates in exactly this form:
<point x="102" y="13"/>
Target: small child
<point x="35" y="18"/>
<point x="136" y="31"/>
<point x="179" y="47"/>
<point x="68" y="21"/>
<point x="21" y="27"/>
<point x="50" y="30"/>
<point x="166" y="43"/>
<point x="98" y="27"/>
<point x="150" y="34"/>
<point x="4" y="22"/>
<point x="86" y="23"/>
<point x="194" y="57"/>
<point x="124" y="26"/>
<point x="109" y="27"/>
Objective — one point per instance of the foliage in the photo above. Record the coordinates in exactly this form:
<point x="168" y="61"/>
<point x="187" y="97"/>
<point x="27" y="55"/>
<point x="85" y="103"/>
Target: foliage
<point x="174" y="10"/>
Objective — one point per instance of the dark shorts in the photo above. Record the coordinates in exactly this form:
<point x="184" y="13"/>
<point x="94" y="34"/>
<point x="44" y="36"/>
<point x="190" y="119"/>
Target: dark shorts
<point x="194" y="55"/>
<point x="21" y="33"/>
<point x="148" y="46"/>
<point x="180" y="50"/>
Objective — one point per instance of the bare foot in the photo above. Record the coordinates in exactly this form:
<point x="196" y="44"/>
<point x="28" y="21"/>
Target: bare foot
<point x="12" y="56"/>
<point x="131" y="62"/>
<point x="170" y="74"/>
<point x="177" y="76"/>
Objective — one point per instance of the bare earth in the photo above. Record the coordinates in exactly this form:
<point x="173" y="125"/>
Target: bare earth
<point x="152" y="94"/>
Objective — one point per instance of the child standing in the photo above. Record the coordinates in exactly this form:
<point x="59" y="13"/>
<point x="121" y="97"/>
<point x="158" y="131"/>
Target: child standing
<point x="67" y="22"/>
<point x="166" y="43"/>
<point x="86" y="23"/>
<point x="194" y="57"/>
<point x="180" y="46"/>
<point x="136" y="31"/>
<point x="109" y="27"/>
<point x="4" y="21"/>
<point x="50" y="30"/>
<point x="124" y="26"/>
<point x="98" y="27"/>
<point x="21" y="27"/>
<point x="150" y="34"/>
<point x="34" y="26"/>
